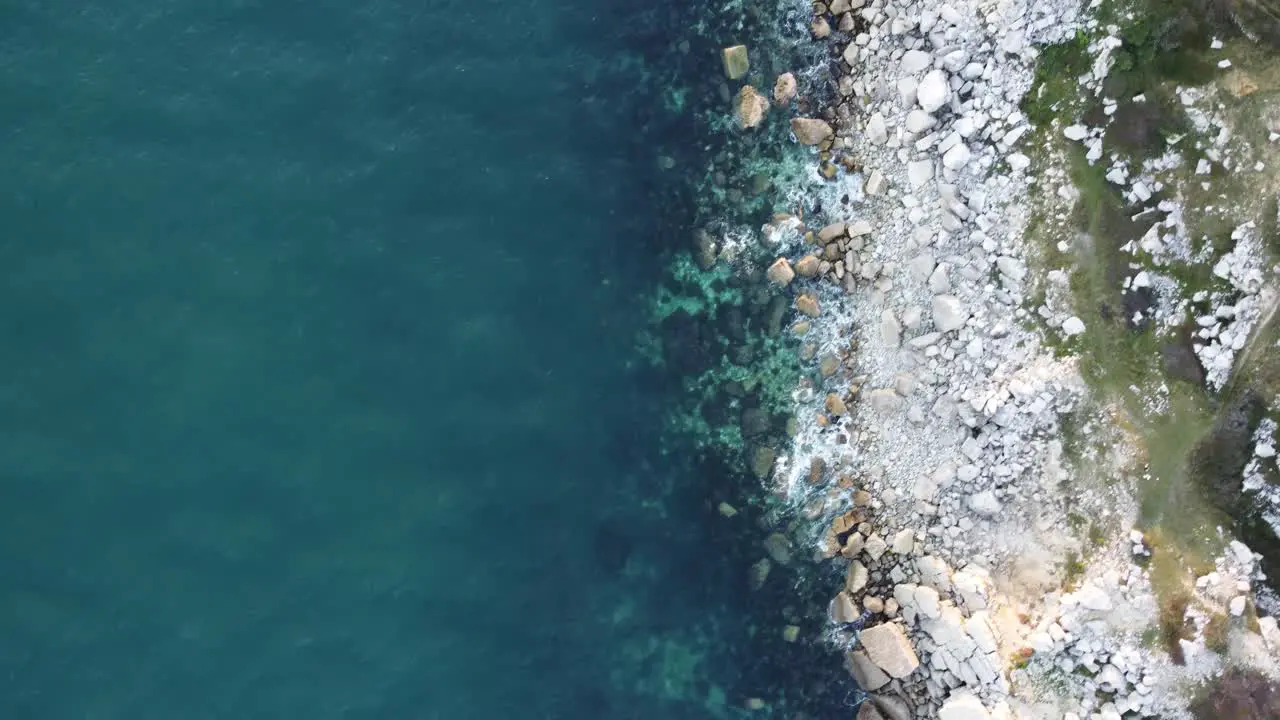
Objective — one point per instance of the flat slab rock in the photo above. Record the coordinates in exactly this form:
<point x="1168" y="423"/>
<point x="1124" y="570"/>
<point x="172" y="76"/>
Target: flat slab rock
<point x="888" y="647"/>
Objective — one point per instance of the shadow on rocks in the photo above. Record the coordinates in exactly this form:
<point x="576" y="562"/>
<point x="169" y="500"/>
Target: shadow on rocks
<point x="1240" y="695"/>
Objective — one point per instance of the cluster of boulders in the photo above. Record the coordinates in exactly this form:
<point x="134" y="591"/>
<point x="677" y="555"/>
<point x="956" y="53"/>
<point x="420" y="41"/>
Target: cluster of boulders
<point x="929" y="435"/>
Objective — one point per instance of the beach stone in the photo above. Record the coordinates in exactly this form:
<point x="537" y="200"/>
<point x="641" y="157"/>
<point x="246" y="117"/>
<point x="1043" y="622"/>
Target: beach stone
<point x="957" y="157"/>
<point x="735" y="61"/>
<point x="831" y="232"/>
<point x="919" y="172"/>
<point x="780" y="272"/>
<point x="856" y="578"/>
<point x="784" y="89"/>
<point x="875" y="183"/>
<point x="888" y="647"/>
<point x="918" y="121"/>
<point x="875" y="547"/>
<point x="877" y="131"/>
<point x="807" y="304"/>
<point x="884" y="400"/>
<point x="948" y="313"/>
<point x="914" y="61"/>
<point x="750" y="107"/>
<point x="866" y="673"/>
<point x="933" y="91"/>
<point x="820" y="28"/>
<point x="850" y="54"/>
<point x="890" y="329"/>
<point x="810" y="131"/>
<point x="904" y="542"/>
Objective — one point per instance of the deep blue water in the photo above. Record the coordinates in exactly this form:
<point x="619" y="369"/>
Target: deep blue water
<point x="316" y="329"/>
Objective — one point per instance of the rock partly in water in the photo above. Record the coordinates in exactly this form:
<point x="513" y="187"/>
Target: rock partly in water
<point x="888" y="647"/>
<point x="780" y="272"/>
<point x="866" y="673"/>
<point x="810" y="131"/>
<point x="808" y="305"/>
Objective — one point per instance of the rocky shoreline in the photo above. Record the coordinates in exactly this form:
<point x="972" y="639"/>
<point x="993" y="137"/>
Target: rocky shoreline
<point x="953" y="454"/>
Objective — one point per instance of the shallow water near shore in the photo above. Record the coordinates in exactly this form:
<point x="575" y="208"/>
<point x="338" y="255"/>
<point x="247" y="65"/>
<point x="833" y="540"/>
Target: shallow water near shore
<point x="320" y="393"/>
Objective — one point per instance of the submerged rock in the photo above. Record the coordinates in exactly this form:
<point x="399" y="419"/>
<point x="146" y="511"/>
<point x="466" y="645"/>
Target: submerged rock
<point x="735" y="61"/>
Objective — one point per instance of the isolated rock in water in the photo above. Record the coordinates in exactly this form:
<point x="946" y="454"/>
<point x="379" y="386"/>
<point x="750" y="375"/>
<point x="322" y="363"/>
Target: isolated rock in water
<point x="735" y="61"/>
<point x="750" y="107"/>
<point x="810" y="131"/>
<point x="933" y="91"/>
<point x="784" y="89"/>
<point x="963" y="706"/>
<point x="948" y="313"/>
<point x="779" y="548"/>
<point x="888" y="647"/>
<point x="780" y="272"/>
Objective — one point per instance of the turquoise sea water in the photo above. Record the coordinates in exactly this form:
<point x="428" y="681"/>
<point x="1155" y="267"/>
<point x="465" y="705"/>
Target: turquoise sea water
<point x="319" y="393"/>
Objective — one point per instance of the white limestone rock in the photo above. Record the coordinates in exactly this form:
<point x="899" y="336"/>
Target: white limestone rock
<point x="957" y="157"/>
<point x="985" y="503"/>
<point x="1072" y="326"/>
<point x="933" y="92"/>
<point x="876" y="131"/>
<point x="919" y="173"/>
<point x="914" y="61"/>
<point x="948" y="313"/>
